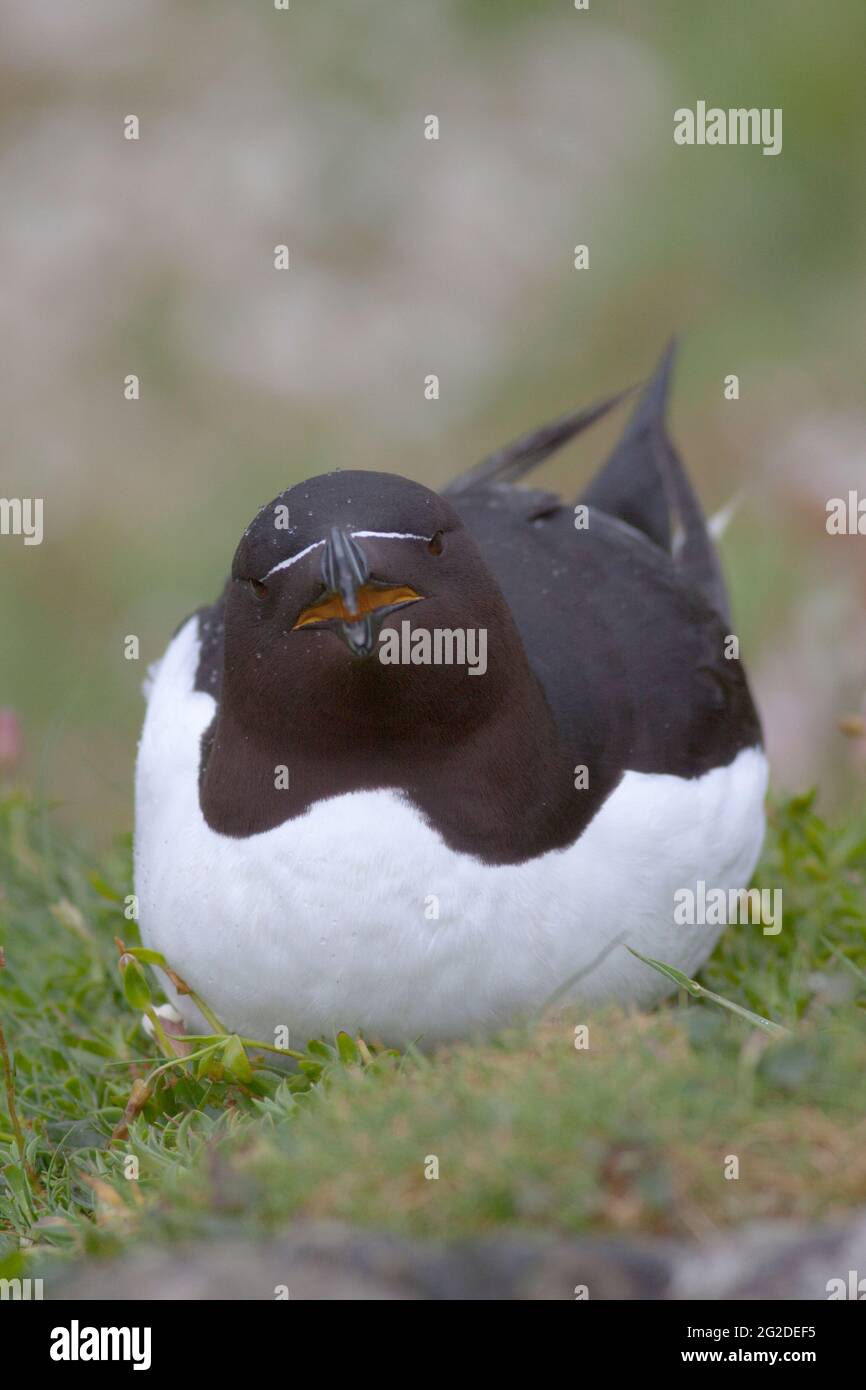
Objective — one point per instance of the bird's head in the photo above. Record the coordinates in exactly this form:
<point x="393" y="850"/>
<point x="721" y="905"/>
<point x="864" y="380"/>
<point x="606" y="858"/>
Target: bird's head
<point x="334" y="584"/>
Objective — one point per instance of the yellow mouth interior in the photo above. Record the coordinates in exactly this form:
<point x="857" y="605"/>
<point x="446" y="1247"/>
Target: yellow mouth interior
<point x="369" y="600"/>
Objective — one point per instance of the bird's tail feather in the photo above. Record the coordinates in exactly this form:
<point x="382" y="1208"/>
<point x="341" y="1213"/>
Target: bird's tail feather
<point x="643" y="482"/>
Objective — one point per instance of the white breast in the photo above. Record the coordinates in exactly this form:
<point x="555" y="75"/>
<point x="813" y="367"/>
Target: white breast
<point x="357" y="915"/>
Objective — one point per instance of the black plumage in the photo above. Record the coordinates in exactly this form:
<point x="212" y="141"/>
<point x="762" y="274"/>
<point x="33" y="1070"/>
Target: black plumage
<point x="607" y="646"/>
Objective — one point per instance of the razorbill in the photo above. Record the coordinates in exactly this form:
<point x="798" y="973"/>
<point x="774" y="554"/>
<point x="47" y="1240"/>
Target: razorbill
<point x="416" y="849"/>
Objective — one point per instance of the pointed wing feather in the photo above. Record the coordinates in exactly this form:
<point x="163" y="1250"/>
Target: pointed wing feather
<point x="642" y="482"/>
<point x="509" y="464"/>
<point x="630" y="484"/>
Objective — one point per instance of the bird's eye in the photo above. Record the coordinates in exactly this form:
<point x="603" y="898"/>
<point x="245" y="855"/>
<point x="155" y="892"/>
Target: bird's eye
<point x="259" y="589"/>
<point x="436" y="543"/>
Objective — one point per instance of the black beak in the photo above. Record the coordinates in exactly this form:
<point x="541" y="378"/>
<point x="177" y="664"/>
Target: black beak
<point x="344" y="571"/>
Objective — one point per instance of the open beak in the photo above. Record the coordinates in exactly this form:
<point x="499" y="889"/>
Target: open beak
<point x="354" y="605"/>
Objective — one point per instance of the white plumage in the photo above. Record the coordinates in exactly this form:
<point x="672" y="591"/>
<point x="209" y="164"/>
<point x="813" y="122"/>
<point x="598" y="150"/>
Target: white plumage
<point x="330" y="921"/>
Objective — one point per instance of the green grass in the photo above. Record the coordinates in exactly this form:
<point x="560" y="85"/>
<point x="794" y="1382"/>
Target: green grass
<point x="629" y="1134"/>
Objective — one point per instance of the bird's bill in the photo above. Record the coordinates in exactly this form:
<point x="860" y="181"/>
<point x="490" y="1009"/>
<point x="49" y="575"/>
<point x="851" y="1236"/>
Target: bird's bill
<point x="353" y="604"/>
<point x="358" y="625"/>
<point x="369" y="598"/>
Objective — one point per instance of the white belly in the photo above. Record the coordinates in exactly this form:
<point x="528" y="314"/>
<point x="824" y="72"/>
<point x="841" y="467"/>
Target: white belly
<point x="358" y="916"/>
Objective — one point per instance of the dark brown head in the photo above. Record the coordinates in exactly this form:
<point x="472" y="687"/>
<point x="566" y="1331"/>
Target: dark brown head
<point x="333" y="586"/>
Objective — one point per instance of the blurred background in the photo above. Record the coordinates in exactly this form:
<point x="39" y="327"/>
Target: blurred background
<point x="410" y="257"/>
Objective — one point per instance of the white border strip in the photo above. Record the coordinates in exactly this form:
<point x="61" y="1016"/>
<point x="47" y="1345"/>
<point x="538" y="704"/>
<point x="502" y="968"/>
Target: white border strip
<point x="391" y="535"/>
<point x="293" y="559"/>
<point x="361" y="535"/>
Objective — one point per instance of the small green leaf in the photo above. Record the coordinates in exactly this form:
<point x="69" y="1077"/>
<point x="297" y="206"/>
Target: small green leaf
<point x="12" y="1265"/>
<point x="103" y="889"/>
<point x="135" y="986"/>
<point x="671" y="973"/>
<point x="209" y="1067"/>
<point x="311" y="1069"/>
<point x="148" y="957"/>
<point x="235" y="1059"/>
<point x="349" y="1054"/>
<point x="699" y="992"/>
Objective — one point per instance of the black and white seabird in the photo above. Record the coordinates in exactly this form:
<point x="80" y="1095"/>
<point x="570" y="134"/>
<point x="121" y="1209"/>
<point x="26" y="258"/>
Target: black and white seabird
<point x="421" y="849"/>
